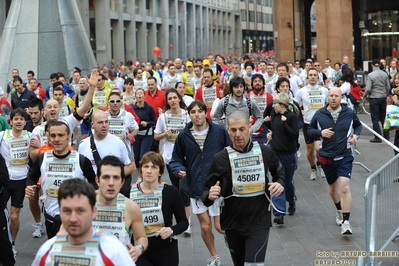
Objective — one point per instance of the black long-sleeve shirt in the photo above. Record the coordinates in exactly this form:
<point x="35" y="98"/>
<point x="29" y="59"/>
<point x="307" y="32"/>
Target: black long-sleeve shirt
<point x="4" y="180"/>
<point x="242" y="213"/>
<point x="172" y="205"/>
<point x="285" y="133"/>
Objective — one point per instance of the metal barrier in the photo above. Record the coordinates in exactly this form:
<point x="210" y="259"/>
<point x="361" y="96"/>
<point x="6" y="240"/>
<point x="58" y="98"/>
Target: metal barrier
<point x="381" y="210"/>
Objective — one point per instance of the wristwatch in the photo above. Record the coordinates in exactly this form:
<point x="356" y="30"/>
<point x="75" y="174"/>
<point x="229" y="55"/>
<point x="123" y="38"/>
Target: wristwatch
<point x="141" y="248"/>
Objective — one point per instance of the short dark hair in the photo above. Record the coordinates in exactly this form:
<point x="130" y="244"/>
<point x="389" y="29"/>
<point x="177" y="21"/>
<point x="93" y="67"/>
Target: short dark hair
<point x="153" y="78"/>
<point x="129" y="81"/>
<point x="114" y="93"/>
<point x="77" y="70"/>
<point x="76" y="186"/>
<point x="113" y="161"/>
<point x="58" y="84"/>
<point x="31" y="72"/>
<point x="129" y="62"/>
<point x="234" y="82"/>
<point x="54" y="76"/>
<point x="281" y="80"/>
<point x="56" y="123"/>
<point x="36" y="102"/>
<point x="17" y="78"/>
<point x="135" y="71"/>
<point x="208" y="70"/>
<point x="200" y="105"/>
<point x="282" y="64"/>
<point x="19" y="111"/>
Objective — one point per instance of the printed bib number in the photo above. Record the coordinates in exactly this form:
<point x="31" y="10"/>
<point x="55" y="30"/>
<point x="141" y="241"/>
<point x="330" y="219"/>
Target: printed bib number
<point x="57" y="171"/>
<point x="152" y="216"/>
<point x="99" y="97"/>
<point x="19" y="151"/>
<point x="247" y="172"/>
<point x="209" y="95"/>
<point x="316" y="99"/>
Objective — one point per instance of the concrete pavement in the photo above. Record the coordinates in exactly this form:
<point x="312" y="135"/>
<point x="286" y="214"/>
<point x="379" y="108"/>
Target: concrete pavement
<point x="307" y="236"/>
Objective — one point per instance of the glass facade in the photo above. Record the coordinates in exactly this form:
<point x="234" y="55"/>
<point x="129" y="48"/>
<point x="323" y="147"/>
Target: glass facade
<point x="380" y="35"/>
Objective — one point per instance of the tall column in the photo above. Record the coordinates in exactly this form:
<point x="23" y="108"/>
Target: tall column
<point x="163" y="40"/>
<point x="118" y="36"/>
<point x="131" y="51"/>
<point x="334" y="30"/>
<point x="152" y="33"/>
<point x="103" y="29"/>
<point x="142" y="33"/>
<point x="284" y="30"/>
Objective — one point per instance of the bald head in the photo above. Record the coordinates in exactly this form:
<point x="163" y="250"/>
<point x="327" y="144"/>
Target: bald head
<point x="99" y="115"/>
<point x="335" y="90"/>
<point x="52" y="102"/>
<point x="178" y="63"/>
<point x="334" y="98"/>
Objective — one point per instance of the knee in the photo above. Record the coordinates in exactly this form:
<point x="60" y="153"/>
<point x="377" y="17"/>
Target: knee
<point x="310" y="151"/>
<point x="333" y="189"/>
<point x="345" y="189"/>
<point x="206" y="227"/>
<point x="14" y="217"/>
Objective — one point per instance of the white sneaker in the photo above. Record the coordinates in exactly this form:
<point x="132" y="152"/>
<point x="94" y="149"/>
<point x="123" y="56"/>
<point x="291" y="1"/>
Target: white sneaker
<point x="338" y="219"/>
<point x="320" y="172"/>
<point x="313" y="174"/>
<point x="38" y="231"/>
<point x="298" y="154"/>
<point x="346" y="228"/>
<point x="188" y="230"/>
<point x="213" y="261"/>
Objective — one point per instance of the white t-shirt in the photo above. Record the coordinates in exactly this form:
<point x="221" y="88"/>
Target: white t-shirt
<point x="345" y="89"/>
<point x="296" y="79"/>
<point x="110" y="145"/>
<point x="187" y="100"/>
<point x="16" y="172"/>
<point x="70" y="120"/>
<point x="110" y="246"/>
<point x="130" y="124"/>
<point x="168" y="80"/>
<point x="303" y="97"/>
<point x="166" y="147"/>
<point x="330" y="74"/>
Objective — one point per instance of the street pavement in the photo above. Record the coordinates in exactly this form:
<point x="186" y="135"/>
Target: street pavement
<point x="310" y="234"/>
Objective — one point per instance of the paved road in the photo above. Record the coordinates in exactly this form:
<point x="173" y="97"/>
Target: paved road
<point x="311" y="230"/>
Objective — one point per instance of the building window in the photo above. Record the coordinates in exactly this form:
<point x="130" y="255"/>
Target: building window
<point x="251" y="1"/>
<point x="260" y="2"/>
<point x="259" y="17"/>
<point x="243" y="15"/>
<point x="251" y="16"/>
<point x="267" y="2"/>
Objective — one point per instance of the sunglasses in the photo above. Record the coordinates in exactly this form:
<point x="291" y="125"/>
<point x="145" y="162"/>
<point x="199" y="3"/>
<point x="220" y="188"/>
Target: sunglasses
<point x="114" y="101"/>
<point x="316" y="65"/>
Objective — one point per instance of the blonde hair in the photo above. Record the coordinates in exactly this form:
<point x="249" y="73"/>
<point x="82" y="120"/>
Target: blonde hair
<point x="282" y="98"/>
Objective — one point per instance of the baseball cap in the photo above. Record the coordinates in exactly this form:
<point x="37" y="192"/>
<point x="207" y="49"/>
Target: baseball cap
<point x="206" y="62"/>
<point x="189" y="64"/>
<point x="376" y="62"/>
